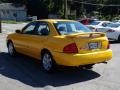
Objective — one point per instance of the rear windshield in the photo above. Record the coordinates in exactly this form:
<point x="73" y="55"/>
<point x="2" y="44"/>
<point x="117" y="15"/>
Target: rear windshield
<point x="70" y="27"/>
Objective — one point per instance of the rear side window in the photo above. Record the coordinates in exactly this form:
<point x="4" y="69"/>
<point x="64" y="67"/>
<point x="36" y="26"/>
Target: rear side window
<point x="42" y="28"/>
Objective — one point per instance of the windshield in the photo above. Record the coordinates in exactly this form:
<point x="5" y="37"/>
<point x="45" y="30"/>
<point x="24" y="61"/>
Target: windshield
<point x="94" y="23"/>
<point x="113" y="25"/>
<point x="70" y="27"/>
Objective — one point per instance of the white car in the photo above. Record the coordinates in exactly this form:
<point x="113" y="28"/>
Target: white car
<point x="97" y="24"/>
<point x="112" y="31"/>
<point x="116" y="21"/>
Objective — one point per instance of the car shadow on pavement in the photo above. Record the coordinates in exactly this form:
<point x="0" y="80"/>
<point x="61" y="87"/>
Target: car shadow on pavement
<point x="114" y="42"/>
<point x="27" y="71"/>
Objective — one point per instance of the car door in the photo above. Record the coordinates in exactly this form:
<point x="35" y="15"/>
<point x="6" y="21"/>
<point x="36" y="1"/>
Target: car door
<point x="36" y="41"/>
<point x="21" y="40"/>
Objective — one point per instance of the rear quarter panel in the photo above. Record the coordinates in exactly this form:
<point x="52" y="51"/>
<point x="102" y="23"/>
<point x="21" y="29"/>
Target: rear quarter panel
<point x="57" y="43"/>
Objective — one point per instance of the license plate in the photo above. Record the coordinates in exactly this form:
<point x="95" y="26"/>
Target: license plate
<point x="94" y="45"/>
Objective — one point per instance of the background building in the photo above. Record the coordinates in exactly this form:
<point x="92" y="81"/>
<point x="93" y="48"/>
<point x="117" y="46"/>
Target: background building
<point x="8" y="11"/>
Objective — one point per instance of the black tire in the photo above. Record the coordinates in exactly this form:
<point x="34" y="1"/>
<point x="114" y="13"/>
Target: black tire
<point x="48" y="63"/>
<point x="118" y="39"/>
<point x="89" y="66"/>
<point x="11" y="49"/>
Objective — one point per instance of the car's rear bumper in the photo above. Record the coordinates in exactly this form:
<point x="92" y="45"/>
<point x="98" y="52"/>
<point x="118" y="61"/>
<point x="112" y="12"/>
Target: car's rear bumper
<point x="113" y="35"/>
<point x="82" y="59"/>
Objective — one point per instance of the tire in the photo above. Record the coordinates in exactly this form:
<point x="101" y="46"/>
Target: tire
<point x="89" y="66"/>
<point x="118" y="39"/>
<point x="11" y="49"/>
<point x="48" y="63"/>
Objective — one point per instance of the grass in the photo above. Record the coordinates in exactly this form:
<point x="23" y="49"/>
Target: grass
<point x="12" y="21"/>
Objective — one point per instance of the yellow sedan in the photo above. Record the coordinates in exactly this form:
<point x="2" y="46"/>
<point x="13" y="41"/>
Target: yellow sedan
<point x="60" y="42"/>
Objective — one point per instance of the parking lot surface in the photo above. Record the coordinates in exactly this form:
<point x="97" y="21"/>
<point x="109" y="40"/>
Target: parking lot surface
<point x="25" y="73"/>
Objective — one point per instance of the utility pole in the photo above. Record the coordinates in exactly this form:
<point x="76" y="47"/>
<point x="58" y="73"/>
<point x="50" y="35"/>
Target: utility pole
<point x="82" y="7"/>
<point x="0" y="24"/>
<point x="65" y="9"/>
<point x="101" y="7"/>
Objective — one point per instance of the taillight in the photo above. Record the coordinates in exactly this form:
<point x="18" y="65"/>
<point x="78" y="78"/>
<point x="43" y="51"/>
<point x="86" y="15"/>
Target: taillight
<point x="110" y="30"/>
<point x="70" y="48"/>
<point x="108" y="46"/>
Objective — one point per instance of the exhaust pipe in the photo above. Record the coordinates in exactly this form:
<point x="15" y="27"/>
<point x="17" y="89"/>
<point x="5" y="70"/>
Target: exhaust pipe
<point x="105" y="62"/>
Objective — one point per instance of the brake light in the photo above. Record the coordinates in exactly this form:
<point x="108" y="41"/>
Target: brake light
<point x="70" y="48"/>
<point x="108" y="46"/>
<point x="110" y="30"/>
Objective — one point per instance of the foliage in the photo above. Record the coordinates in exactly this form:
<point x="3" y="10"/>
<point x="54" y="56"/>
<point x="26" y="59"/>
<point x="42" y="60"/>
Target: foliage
<point x="42" y="8"/>
<point x="12" y="21"/>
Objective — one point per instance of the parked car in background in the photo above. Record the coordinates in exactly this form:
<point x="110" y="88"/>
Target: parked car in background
<point x="97" y="24"/>
<point x="60" y="42"/>
<point x="112" y="31"/>
<point x="116" y="21"/>
<point x="87" y="21"/>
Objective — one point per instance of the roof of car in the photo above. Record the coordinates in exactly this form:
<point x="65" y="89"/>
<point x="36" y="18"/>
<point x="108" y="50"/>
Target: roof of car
<point x="54" y="20"/>
<point x="102" y="21"/>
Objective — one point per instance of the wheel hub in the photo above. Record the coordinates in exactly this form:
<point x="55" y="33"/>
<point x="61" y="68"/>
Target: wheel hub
<point x="47" y="62"/>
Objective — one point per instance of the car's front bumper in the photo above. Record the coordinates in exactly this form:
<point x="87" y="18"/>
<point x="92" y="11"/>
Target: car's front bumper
<point x="82" y="59"/>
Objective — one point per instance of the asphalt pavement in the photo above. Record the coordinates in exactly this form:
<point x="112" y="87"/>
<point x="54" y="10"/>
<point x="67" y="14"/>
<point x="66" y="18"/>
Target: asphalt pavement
<point x="25" y="73"/>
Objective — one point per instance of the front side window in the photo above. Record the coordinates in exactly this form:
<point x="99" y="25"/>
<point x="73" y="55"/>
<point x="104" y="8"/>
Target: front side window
<point x="70" y="27"/>
<point x="29" y="29"/>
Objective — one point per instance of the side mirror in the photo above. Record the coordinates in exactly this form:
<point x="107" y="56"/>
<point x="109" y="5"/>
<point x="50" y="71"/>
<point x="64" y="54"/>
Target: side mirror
<point x="18" y="31"/>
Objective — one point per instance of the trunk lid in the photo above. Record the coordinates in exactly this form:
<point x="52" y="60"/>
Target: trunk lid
<point x="90" y="42"/>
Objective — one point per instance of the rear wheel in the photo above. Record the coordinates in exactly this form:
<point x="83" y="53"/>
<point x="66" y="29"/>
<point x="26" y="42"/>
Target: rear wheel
<point x="48" y="64"/>
<point x="119" y="38"/>
<point x="11" y="49"/>
<point x="89" y="66"/>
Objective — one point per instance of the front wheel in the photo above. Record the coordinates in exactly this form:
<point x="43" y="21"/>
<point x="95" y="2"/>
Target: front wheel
<point x="48" y="64"/>
<point x="11" y="49"/>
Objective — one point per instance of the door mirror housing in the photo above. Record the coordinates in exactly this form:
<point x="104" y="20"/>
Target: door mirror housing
<point x="18" y="31"/>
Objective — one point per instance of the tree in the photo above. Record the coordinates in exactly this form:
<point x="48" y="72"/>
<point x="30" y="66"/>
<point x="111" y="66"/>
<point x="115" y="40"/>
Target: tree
<point x="42" y="8"/>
